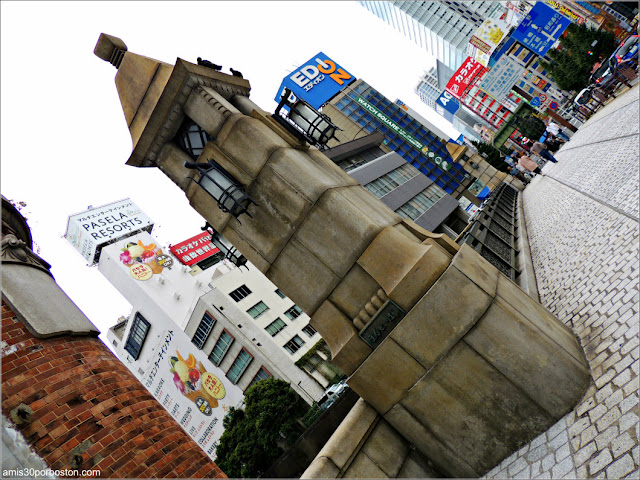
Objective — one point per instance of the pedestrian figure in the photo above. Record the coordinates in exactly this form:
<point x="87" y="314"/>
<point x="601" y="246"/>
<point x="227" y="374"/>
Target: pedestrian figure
<point x="553" y="145"/>
<point x="541" y="150"/>
<point x="529" y="164"/>
<point x="555" y="130"/>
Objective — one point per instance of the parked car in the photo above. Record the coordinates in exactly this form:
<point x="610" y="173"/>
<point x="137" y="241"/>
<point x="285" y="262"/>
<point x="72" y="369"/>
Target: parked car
<point x="584" y="96"/>
<point x="626" y="52"/>
<point x="332" y="393"/>
<point x="603" y="76"/>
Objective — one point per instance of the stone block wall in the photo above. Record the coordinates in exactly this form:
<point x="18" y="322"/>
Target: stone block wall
<point x="366" y="446"/>
<point x="89" y="411"/>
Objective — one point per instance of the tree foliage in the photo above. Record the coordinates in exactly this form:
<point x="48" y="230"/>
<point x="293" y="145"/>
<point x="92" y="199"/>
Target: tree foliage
<point x="491" y="155"/>
<point x="253" y="437"/>
<point x="531" y="127"/>
<point x="571" y="64"/>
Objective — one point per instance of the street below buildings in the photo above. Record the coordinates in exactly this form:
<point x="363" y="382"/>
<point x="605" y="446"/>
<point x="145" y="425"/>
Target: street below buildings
<point x="582" y="224"/>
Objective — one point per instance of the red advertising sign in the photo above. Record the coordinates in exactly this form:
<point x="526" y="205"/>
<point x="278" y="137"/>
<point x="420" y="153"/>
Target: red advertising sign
<point x="195" y="249"/>
<point x="469" y="69"/>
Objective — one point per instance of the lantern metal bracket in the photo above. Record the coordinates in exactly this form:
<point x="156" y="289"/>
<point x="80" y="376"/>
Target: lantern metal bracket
<point x="229" y="195"/>
<point x="295" y="129"/>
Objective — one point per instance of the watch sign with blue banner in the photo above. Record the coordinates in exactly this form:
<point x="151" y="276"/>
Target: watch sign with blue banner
<point x="447" y="105"/>
<point x="316" y="81"/>
<point x="541" y="28"/>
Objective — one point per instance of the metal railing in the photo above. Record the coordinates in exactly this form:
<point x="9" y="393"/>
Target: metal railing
<point x="493" y="231"/>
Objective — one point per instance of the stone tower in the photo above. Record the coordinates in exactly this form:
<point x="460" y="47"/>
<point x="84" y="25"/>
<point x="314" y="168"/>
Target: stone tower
<point x="452" y="354"/>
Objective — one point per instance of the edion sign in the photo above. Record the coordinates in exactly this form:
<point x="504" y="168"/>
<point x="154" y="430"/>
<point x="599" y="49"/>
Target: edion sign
<point x="317" y="81"/>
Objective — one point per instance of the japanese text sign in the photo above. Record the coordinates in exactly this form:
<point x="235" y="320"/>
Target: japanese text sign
<point x="195" y="249"/>
<point x="499" y="80"/>
<point x="541" y="28"/>
<point x="469" y="69"/>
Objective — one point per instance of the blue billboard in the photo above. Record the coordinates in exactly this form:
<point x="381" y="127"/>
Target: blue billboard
<point x="541" y="28"/>
<point x="316" y="81"/>
<point x="447" y="105"/>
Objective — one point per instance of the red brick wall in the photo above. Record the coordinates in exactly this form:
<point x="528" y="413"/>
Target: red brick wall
<point x="90" y="409"/>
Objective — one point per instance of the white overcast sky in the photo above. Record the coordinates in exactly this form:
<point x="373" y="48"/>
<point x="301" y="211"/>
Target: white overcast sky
<point x="64" y="137"/>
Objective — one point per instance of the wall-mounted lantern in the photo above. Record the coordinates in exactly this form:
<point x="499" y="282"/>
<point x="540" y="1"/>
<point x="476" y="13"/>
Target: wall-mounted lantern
<point x="226" y="190"/>
<point x="229" y="251"/>
<point x="305" y="122"/>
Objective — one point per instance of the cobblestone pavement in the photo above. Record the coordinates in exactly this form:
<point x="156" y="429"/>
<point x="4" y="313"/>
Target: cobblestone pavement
<point x="582" y="222"/>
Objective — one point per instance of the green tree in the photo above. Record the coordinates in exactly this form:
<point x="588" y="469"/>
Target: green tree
<point x="571" y="64"/>
<point x="254" y="437"/>
<point x="531" y="127"/>
<point x="491" y="155"/>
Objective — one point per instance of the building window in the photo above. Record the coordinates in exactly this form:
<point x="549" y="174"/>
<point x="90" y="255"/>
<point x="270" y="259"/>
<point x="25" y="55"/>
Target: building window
<point x="280" y="294"/>
<point x="275" y="327"/>
<point x="239" y="293"/>
<point x="137" y="336"/>
<point x="258" y="309"/>
<point x="421" y="202"/>
<point x="203" y="331"/>
<point x="309" y="330"/>
<point x="384" y="184"/>
<point x="293" y="345"/>
<point x="221" y="348"/>
<point x="262" y="374"/>
<point x="191" y="138"/>
<point x="239" y="365"/>
<point x="293" y="313"/>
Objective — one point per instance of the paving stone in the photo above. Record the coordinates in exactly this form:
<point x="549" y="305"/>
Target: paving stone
<point x="562" y="468"/>
<point x="535" y="469"/>
<point x="597" y="412"/>
<point x="628" y="403"/>
<point x="614" y="399"/>
<point x="600" y="462"/>
<point x="584" y="453"/>
<point x="517" y="466"/>
<point x="548" y="462"/>
<point x="537" y="453"/>
<point x="608" y="418"/>
<point x="525" y="473"/>
<point x="621" y="467"/>
<point x="561" y="439"/>
<point x="581" y="472"/>
<point x="628" y="421"/>
<point x="563" y="452"/>
<point x="605" y="438"/>
<point x="622" y="444"/>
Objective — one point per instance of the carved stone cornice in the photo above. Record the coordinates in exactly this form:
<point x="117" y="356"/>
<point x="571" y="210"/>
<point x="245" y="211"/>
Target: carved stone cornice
<point x="169" y="111"/>
<point x="15" y="250"/>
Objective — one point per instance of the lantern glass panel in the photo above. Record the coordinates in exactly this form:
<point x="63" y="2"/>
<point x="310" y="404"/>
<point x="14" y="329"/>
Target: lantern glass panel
<point x="225" y="191"/>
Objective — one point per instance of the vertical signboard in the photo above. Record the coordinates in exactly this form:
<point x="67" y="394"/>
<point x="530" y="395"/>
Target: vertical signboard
<point x="195" y="392"/>
<point x="469" y="69"/>
<point x="485" y="40"/>
<point x="541" y="28"/>
<point x="316" y="81"/>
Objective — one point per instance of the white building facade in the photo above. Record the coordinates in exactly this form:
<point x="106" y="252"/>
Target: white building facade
<point x="265" y="333"/>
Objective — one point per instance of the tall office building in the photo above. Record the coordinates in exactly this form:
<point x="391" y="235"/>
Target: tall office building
<point x="428" y="89"/>
<point x="442" y="28"/>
